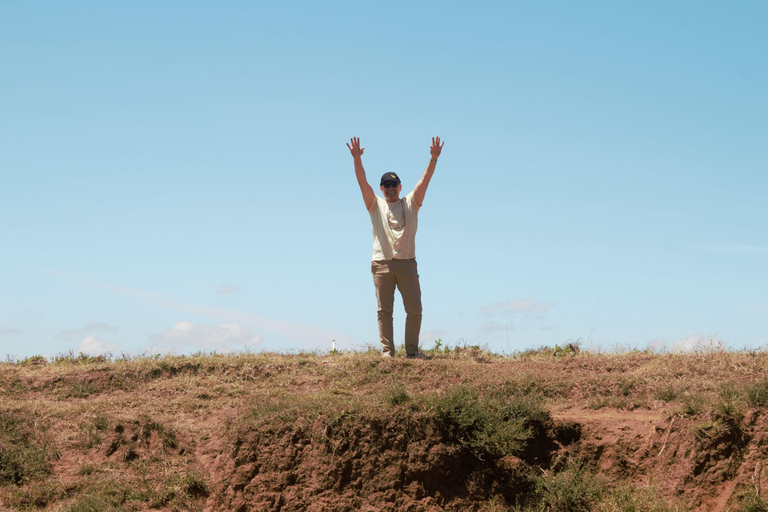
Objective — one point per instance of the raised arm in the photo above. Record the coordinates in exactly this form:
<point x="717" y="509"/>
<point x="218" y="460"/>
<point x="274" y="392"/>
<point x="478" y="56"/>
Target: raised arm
<point x="357" y="153"/>
<point x="421" y="186"/>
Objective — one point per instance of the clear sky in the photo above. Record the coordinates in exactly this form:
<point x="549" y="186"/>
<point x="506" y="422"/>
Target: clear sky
<point x="175" y="175"/>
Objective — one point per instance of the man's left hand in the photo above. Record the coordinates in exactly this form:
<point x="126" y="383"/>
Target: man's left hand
<point x="436" y="148"/>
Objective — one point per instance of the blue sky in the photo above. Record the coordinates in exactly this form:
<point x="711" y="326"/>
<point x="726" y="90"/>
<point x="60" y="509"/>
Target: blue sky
<point x="175" y="176"/>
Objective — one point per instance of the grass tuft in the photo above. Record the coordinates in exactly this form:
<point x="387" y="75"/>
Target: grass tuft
<point x="25" y="453"/>
<point x="627" y="497"/>
<point x="573" y="489"/>
<point x="757" y="394"/>
<point x="751" y="501"/>
<point x="396" y="395"/>
<point x="667" y="394"/>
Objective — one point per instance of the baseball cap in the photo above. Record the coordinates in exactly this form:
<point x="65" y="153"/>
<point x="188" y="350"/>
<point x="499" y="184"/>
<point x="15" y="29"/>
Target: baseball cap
<point x="389" y="176"/>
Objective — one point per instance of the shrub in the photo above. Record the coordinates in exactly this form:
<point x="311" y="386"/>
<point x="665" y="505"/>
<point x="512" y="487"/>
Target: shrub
<point x="33" y="361"/>
<point x="494" y="425"/>
<point x="574" y="489"/>
<point x="440" y="348"/>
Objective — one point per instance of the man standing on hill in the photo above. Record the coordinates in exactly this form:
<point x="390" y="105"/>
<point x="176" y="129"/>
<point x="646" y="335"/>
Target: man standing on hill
<point x="394" y="221"/>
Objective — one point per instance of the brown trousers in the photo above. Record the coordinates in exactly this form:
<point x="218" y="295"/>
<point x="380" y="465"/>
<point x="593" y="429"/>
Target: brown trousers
<point x="403" y="275"/>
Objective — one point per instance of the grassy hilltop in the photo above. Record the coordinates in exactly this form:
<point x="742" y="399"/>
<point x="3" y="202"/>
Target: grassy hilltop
<point x="545" y="430"/>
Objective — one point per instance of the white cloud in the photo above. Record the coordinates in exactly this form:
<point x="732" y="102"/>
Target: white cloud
<point x="698" y="343"/>
<point x="693" y="343"/>
<point x="494" y="327"/>
<point x="9" y="332"/>
<point x="71" y="334"/>
<point x="500" y="318"/>
<point x="527" y="308"/>
<point x="433" y="334"/>
<point x="301" y="335"/>
<point x="223" y="337"/>
<point x="93" y="346"/>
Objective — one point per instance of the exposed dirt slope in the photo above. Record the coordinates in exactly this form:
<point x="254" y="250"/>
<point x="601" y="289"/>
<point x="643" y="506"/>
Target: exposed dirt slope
<point x="701" y="462"/>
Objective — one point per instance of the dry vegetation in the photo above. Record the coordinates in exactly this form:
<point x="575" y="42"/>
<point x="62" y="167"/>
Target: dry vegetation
<point x="546" y="430"/>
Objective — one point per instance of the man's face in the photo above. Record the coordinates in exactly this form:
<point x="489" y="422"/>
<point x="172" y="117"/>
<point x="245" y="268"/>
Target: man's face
<point x="391" y="191"/>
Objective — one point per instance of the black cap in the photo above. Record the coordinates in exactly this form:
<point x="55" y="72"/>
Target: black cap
<point x="389" y="176"/>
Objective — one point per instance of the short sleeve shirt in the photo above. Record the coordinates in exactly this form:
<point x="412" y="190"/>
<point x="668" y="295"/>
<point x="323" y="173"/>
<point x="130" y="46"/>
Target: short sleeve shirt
<point x="394" y="228"/>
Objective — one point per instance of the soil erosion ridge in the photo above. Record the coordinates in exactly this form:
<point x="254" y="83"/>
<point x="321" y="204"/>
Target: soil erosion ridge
<point x="548" y="429"/>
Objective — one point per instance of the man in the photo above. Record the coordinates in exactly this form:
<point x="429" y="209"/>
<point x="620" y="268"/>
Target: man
<point x="394" y="221"/>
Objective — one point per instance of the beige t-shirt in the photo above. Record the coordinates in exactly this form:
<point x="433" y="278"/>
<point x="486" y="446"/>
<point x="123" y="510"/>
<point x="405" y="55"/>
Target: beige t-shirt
<point x="394" y="228"/>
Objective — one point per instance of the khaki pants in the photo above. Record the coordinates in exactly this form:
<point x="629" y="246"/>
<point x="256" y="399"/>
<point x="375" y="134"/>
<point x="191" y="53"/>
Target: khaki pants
<point x="403" y="275"/>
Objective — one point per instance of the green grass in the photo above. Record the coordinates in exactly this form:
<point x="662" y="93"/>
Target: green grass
<point x="25" y="450"/>
<point x="757" y="394"/>
<point x="627" y="497"/>
<point x="750" y="500"/>
<point x="666" y="393"/>
<point x="396" y="394"/>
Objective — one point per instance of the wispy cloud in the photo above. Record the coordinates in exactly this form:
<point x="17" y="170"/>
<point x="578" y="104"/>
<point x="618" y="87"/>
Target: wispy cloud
<point x="738" y="248"/>
<point x="93" y="346"/>
<point x="227" y="289"/>
<point x="494" y="327"/>
<point x="224" y="337"/>
<point x="10" y="332"/>
<point x="504" y="316"/>
<point x="304" y="336"/>
<point x="527" y="308"/>
<point x="693" y="343"/>
<point x="432" y="335"/>
<point x="71" y="334"/>
<point x="224" y="289"/>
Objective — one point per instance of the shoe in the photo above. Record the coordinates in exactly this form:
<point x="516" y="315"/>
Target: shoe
<point x="418" y="355"/>
<point x="387" y="355"/>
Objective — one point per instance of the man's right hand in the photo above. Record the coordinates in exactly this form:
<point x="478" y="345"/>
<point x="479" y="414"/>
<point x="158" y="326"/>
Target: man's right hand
<point x="368" y="196"/>
<point x="355" y="148"/>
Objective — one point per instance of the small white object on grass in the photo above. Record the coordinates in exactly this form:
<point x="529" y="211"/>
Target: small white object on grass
<point x="334" y="345"/>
